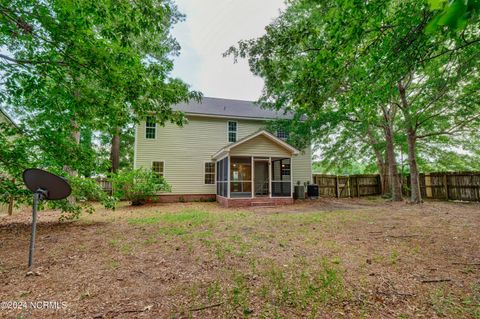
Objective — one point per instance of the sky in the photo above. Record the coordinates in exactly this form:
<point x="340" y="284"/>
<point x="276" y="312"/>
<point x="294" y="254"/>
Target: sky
<point x="210" y="28"/>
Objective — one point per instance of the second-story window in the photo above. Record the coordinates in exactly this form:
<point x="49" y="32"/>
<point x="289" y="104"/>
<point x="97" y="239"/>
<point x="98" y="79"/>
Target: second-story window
<point x="232" y="131"/>
<point x="282" y="134"/>
<point x="150" y="128"/>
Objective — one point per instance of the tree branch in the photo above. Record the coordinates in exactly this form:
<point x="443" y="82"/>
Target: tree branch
<point x="32" y="62"/>
<point x="449" y="50"/>
<point x="455" y="129"/>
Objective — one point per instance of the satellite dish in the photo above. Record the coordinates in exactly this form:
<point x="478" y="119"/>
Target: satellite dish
<point x="54" y="187"/>
<point x="44" y="185"/>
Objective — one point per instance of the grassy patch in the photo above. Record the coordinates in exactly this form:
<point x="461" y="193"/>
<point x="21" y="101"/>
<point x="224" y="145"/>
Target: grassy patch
<point x="187" y="217"/>
<point x="446" y="304"/>
<point x="298" y="286"/>
<point x="172" y="231"/>
<point x="114" y="264"/>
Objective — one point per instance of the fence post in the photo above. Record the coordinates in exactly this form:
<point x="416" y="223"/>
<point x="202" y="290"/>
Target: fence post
<point x="337" y="189"/>
<point x="10" y="202"/>
<point x="445" y="185"/>
<point x="380" y="188"/>
<point x="10" y="206"/>
<point x="358" y="186"/>
<point x="349" y="185"/>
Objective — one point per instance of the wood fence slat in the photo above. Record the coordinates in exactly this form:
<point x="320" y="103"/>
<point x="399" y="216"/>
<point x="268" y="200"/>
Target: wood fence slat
<point x="464" y="186"/>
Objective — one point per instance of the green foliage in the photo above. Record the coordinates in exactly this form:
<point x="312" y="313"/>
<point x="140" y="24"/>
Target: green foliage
<point x="12" y="188"/>
<point x="103" y="157"/>
<point x="73" y="70"/>
<point x="84" y="190"/>
<point x="20" y="152"/>
<point x="338" y="66"/>
<point x="344" y="167"/>
<point x="453" y="14"/>
<point x="138" y="185"/>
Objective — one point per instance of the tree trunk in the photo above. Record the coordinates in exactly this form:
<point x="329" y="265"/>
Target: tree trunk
<point x="76" y="138"/>
<point x="381" y="163"/>
<point x="383" y="172"/>
<point x="67" y="168"/>
<point x="395" y="184"/>
<point x="416" y="196"/>
<point x="115" y="151"/>
<point x="385" y="178"/>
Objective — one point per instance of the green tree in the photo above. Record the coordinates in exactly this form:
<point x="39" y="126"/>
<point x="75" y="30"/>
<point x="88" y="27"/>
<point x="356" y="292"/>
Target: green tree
<point x="101" y="65"/>
<point x="357" y="65"/>
<point x="77" y="69"/>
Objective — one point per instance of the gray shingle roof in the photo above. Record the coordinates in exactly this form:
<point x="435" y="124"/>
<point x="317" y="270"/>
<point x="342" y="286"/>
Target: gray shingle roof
<point x="229" y="108"/>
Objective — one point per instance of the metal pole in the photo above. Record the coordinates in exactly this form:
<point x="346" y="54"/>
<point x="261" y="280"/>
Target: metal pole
<point x="36" y="198"/>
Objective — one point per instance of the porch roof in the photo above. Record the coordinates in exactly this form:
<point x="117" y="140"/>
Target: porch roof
<point x="272" y="139"/>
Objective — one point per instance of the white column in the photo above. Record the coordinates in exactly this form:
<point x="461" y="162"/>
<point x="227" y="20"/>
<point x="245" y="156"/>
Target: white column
<point x="228" y="176"/>
<point x="253" y="177"/>
<point x="270" y="177"/>
<point x="291" y="176"/>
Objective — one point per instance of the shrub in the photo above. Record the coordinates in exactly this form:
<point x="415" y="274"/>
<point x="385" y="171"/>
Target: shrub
<point x="84" y="190"/>
<point x="138" y="186"/>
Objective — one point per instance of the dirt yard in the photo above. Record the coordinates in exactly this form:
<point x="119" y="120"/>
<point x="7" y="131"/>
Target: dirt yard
<point x="325" y="259"/>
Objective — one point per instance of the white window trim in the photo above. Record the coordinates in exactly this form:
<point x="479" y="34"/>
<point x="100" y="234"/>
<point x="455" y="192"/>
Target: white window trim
<point x="159" y="161"/>
<point x="282" y="138"/>
<point x="156" y="130"/>
<point x="214" y="172"/>
<point x="228" y="131"/>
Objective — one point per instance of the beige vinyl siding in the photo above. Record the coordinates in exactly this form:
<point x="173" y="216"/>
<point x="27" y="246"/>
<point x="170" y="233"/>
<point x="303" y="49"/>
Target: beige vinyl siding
<point x="185" y="150"/>
<point x="260" y="146"/>
<point x="302" y="167"/>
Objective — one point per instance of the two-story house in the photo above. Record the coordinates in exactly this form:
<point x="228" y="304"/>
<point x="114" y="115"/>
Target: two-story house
<point x="223" y="152"/>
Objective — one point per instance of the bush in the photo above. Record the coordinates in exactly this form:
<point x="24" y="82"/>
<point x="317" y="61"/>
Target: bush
<point x="84" y="190"/>
<point x="138" y="185"/>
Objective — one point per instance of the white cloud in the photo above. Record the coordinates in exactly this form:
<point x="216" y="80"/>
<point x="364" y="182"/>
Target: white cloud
<point x="211" y="27"/>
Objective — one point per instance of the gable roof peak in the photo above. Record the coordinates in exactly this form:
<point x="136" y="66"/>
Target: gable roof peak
<point x="264" y="133"/>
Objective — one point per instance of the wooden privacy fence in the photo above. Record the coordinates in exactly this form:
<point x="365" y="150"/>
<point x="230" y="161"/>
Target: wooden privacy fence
<point x="463" y="186"/>
<point x="105" y="185"/>
<point x="7" y="207"/>
<point x="347" y="186"/>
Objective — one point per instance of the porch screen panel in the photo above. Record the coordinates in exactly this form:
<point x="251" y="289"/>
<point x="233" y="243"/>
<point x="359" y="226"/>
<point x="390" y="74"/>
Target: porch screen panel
<point x="281" y="179"/>
<point x="222" y="177"/>
<point x="241" y="177"/>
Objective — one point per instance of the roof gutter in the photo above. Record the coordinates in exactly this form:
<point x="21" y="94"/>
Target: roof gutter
<point x="233" y="117"/>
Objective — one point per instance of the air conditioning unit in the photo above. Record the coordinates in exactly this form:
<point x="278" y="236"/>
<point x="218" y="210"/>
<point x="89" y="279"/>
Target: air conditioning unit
<point x="299" y="192"/>
<point x="312" y="191"/>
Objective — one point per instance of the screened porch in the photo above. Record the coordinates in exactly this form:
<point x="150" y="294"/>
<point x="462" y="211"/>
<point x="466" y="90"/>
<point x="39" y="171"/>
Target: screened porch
<point x="254" y="176"/>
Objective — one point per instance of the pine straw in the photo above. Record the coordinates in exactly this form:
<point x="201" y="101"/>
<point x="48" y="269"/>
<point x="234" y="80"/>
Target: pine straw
<point x="329" y="258"/>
